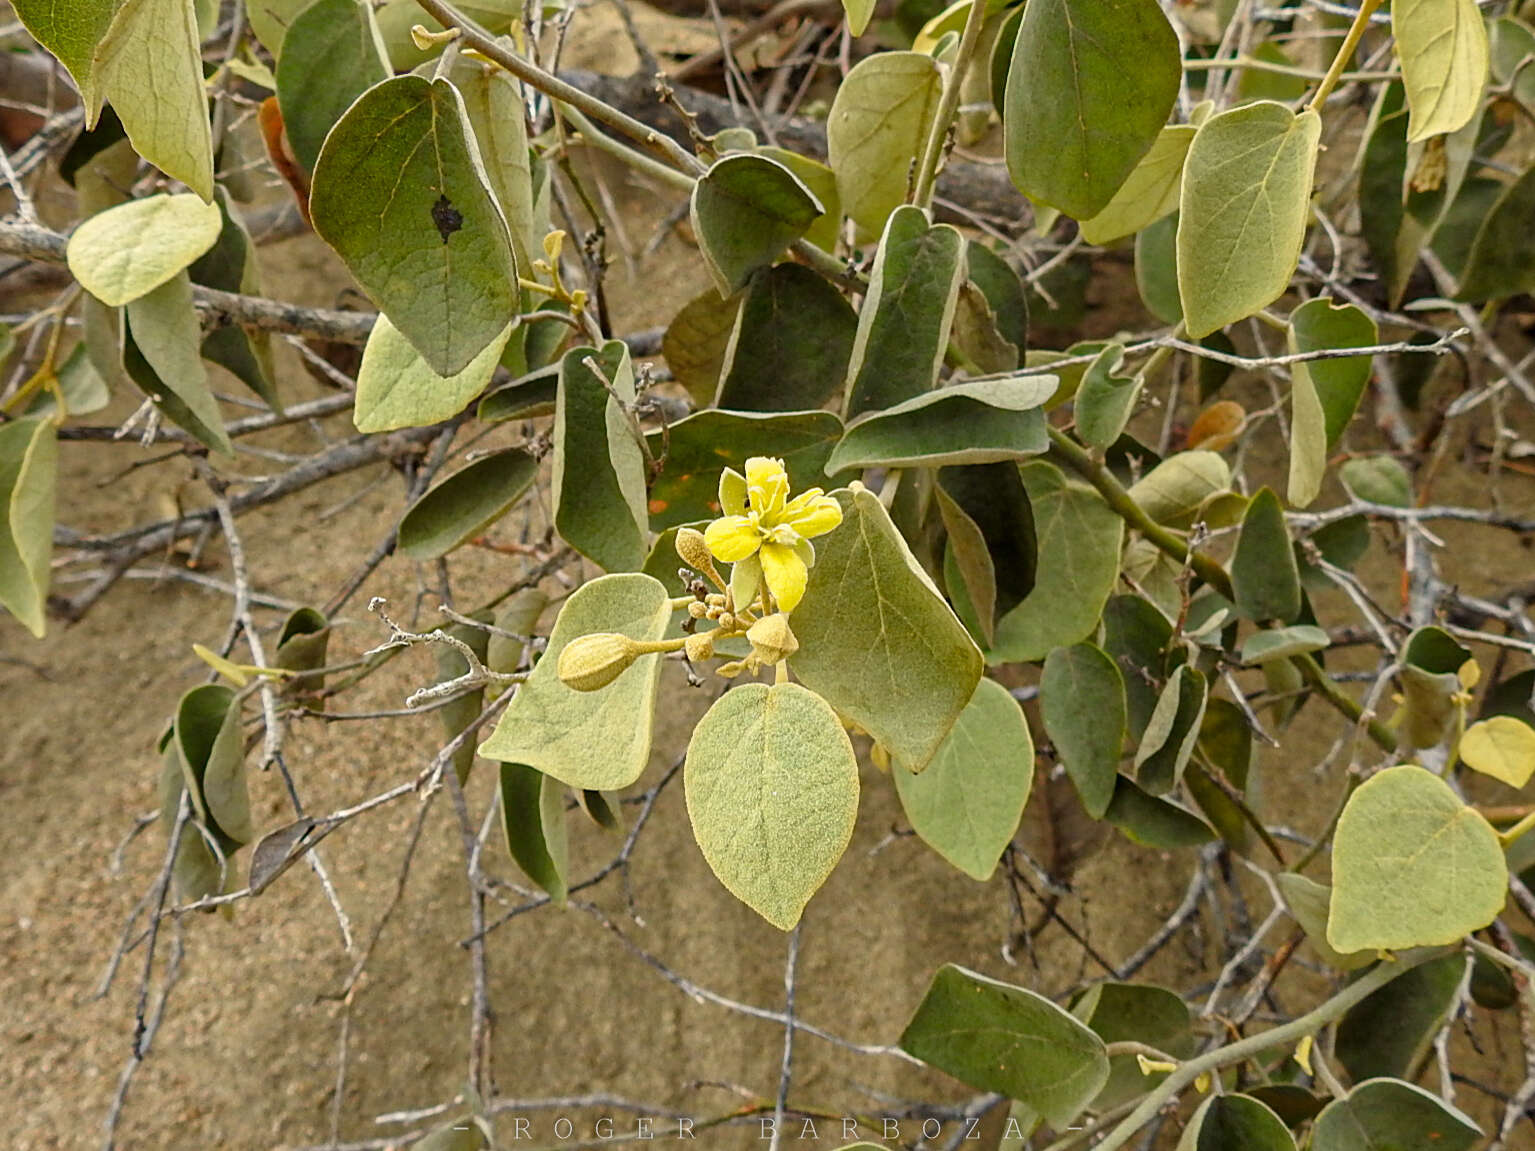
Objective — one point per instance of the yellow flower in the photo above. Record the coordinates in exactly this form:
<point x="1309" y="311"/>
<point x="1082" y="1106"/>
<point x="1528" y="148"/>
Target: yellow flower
<point x="765" y="534"/>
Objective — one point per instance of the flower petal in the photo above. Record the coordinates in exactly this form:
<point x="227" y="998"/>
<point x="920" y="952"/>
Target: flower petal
<point x="769" y="486"/>
<point x="785" y="573"/>
<point x="816" y="518"/>
<point x="732" y="538"/>
<point x="732" y="492"/>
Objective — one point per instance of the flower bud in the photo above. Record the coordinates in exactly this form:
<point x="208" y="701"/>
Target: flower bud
<point x="698" y="609"/>
<point x="594" y="661"/>
<point x="772" y="641"/>
<point x="693" y="550"/>
<point x="699" y="647"/>
<point x="727" y="621"/>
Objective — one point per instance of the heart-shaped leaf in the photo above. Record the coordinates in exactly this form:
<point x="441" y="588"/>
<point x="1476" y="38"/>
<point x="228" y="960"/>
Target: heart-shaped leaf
<point x="397" y="388"/>
<point x="973" y="422"/>
<point x="746" y="210"/>
<point x="128" y="251"/>
<point x="1387" y="1113"/>
<point x="1442" y="45"/>
<point x="878" y="125"/>
<point x="465" y="504"/>
<point x="333" y="57"/>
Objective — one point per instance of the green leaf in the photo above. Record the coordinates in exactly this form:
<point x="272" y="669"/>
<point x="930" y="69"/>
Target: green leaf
<point x="196" y="870"/>
<point x="465" y="504"/>
<point x="28" y="466"/>
<point x="1173" y="491"/>
<point x="599" y="739"/>
<point x="534" y="394"/>
<point x="697" y="341"/>
<point x="1282" y="643"/>
<point x="979" y="422"/>
<point x="1090" y="87"/>
<point x="1105" y="401"/>
<point x="772" y="794"/>
<point x="1172" y="731"/>
<point x="334" y="56"/>
<point x="988" y="505"/>
<point x="150" y="65"/>
<point x="1140" y="1013"/>
<point x="1509" y="41"/>
<point x="997" y="1037"/>
<point x="1082" y="703"/>
<point x="1156" y="269"/>
<point x="700" y="446"/>
<point x="1242" y="216"/>
<point x="1324" y="393"/>
<point x="746" y="210"/>
<point x="1136" y="636"/>
<point x="1263" y="570"/>
<point x="493" y="101"/>
<point x="878" y="125"/>
<point x="599" y="468"/>
<point x="1502" y="747"/>
<point x="976" y="334"/>
<point x="1382" y="175"/>
<point x="1150" y="192"/>
<point x="877" y="642"/>
<point x="790" y="344"/>
<point x="212" y="750"/>
<point x="1390" y="1032"/>
<point x="401" y="195"/>
<point x="1003" y="290"/>
<point x="398" y="388"/>
<point x="230" y="266"/>
<point x="903" y="325"/>
<point x="1413" y="866"/>
<point x="1079" y="539"/>
<point x="301" y="646"/>
<point x="1377" y="480"/>
<point x="71" y="32"/>
<point x="162" y="354"/>
<point x="128" y="251"/>
<point x="83" y="388"/>
<point x="1154" y="822"/>
<point x="1502" y="259"/>
<point x="1442" y="46"/>
<point x="1224" y="1122"/>
<point x="1390" y="1115"/>
<point x="533" y="818"/>
<point x="462" y="710"/>
<point x="967" y="803"/>
<point x="859" y="13"/>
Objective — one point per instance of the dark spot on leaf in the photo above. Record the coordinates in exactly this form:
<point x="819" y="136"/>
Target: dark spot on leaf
<point x="447" y="218"/>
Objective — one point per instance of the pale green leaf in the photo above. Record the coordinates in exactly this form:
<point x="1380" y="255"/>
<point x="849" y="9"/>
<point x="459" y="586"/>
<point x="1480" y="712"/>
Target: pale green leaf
<point x="401" y="194"/>
<point x="333" y="57"/>
<point x="397" y="388"/>
<point x="533" y="820"/>
<point x="1149" y="193"/>
<point x="746" y="210"/>
<point x="978" y="422"/>
<point x="772" y="794"/>
<point x="1243" y="211"/>
<point x="465" y="504"/>
<point x="1089" y="89"/>
<point x="1079" y="539"/>
<point x="597" y="739"/>
<point x="28" y="474"/>
<point x="967" y="803"/>
<point x="878" y="124"/>
<point x="859" y="13"/>
<point x="1308" y="901"/>
<point x="1324" y="394"/>
<point x="1140" y="1013"/>
<point x="877" y="641"/>
<point x="1156" y="269"/>
<point x="125" y="252"/>
<point x="1502" y="747"/>
<point x="598" y="489"/>
<point x="997" y="1037"/>
<point x="903" y="325"/>
<point x="1413" y="866"/>
<point x="1173" y="491"/>
<point x="1172" y="731"/>
<point x="1082" y="703"/>
<point x="1377" y="480"/>
<point x="211" y="745"/>
<point x="1392" y="1115"/>
<point x="826" y="230"/>
<point x="162" y="354"/>
<point x="1442" y="46"/>
<point x="270" y="20"/>
<point x="494" y="103"/>
<point x="150" y="66"/>
<point x="1282" y="643"/>
<point x="1105" y="401"/>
